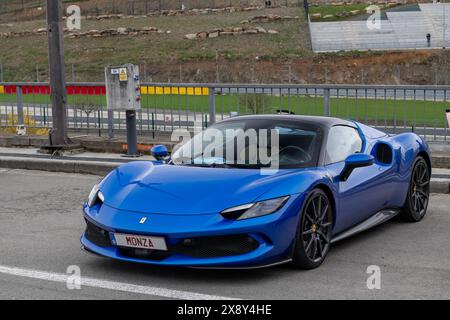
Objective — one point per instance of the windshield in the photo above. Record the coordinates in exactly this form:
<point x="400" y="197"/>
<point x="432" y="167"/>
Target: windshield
<point x="253" y="143"/>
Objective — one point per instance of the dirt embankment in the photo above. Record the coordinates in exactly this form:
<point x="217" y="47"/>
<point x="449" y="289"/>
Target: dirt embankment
<point x="415" y="67"/>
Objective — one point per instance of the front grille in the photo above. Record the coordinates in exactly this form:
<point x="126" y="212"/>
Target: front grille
<point x="211" y="247"/>
<point x="204" y="247"/>
<point x="97" y="235"/>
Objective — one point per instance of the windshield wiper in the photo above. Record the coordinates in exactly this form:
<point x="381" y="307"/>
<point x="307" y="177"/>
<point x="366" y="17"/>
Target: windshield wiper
<point x="208" y="165"/>
<point x="211" y="165"/>
<point x="192" y="163"/>
<point x="248" y="166"/>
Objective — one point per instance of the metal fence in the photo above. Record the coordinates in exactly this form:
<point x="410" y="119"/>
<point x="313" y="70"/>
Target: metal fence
<point x="166" y="107"/>
<point x="133" y="7"/>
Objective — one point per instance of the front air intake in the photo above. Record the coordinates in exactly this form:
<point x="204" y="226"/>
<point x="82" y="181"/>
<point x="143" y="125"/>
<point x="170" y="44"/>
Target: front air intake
<point x="97" y="235"/>
<point x="212" y="247"/>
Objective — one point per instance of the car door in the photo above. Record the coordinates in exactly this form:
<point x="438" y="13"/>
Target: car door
<point x="362" y="194"/>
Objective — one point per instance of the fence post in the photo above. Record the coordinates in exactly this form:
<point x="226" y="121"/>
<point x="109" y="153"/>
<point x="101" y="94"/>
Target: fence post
<point x="19" y="107"/>
<point x="45" y="115"/>
<point x="99" y="122"/>
<point x="153" y="125"/>
<point x="212" y="106"/>
<point x="131" y="133"/>
<point x="110" y="124"/>
<point x="326" y="102"/>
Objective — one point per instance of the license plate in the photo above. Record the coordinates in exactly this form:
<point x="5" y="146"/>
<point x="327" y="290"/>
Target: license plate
<point x="141" y="242"/>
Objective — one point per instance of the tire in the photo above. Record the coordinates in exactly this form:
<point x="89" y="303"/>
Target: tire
<point x="313" y="237"/>
<point x="417" y="199"/>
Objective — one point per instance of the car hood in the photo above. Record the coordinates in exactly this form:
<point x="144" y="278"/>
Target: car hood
<point x="186" y="190"/>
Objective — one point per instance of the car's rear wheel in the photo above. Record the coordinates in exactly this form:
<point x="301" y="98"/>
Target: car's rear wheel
<point x="416" y="203"/>
<point x="313" y="236"/>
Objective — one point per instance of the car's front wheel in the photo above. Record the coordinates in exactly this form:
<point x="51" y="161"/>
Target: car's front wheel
<point x="313" y="236"/>
<point x="416" y="203"/>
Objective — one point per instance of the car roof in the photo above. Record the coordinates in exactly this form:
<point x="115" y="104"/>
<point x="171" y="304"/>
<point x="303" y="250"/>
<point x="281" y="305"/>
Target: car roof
<point x="318" y="120"/>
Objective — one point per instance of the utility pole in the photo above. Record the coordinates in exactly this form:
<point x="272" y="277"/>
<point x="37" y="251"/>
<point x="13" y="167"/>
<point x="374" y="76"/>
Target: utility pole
<point x="58" y="136"/>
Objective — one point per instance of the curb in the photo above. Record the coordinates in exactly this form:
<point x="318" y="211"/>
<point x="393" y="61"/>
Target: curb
<point x="440" y="161"/>
<point x="440" y="153"/>
<point x="438" y="185"/>
<point x="67" y="166"/>
<point x="90" y="143"/>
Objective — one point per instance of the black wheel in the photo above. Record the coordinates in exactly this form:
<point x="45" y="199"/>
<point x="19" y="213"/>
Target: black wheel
<point x="418" y="196"/>
<point x="313" y="237"/>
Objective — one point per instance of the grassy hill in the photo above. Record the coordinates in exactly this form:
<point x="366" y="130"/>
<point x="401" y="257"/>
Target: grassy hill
<point x="285" y="57"/>
<point x="158" y="52"/>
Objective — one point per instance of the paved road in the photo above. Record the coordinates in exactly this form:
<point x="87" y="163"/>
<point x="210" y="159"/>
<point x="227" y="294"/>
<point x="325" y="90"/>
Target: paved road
<point x="40" y="223"/>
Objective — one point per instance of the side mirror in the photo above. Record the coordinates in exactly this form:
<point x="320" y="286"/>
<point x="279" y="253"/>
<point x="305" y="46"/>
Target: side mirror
<point x="357" y="160"/>
<point x="159" y="152"/>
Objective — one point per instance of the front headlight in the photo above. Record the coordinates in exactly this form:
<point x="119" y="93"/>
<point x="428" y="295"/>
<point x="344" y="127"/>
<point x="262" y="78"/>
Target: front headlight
<point x="95" y="195"/>
<point x="257" y="209"/>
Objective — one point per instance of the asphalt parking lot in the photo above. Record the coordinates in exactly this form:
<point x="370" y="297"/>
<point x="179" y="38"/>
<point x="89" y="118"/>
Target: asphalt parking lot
<point x="40" y="225"/>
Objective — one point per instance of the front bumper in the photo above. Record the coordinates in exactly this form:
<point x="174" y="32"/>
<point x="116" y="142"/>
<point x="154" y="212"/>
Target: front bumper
<point x="196" y="240"/>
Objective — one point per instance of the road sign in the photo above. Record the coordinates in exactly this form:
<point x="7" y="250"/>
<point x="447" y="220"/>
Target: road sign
<point x="123" y="74"/>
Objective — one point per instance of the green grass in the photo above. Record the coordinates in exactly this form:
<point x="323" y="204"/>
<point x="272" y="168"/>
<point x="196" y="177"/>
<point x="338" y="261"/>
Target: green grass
<point x="408" y="112"/>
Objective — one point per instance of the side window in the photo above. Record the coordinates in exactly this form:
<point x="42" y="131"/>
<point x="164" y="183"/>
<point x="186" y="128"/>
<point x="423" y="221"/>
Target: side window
<point x="342" y="142"/>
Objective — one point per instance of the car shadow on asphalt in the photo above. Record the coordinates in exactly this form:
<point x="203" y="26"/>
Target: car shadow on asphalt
<point x="230" y="276"/>
<point x="366" y="236"/>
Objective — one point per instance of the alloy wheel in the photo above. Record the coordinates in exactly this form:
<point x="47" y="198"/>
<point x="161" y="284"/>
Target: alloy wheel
<point x="420" y="188"/>
<point x="316" y="228"/>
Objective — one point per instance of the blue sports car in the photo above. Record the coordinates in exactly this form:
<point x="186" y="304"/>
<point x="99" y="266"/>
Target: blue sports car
<point x="333" y="178"/>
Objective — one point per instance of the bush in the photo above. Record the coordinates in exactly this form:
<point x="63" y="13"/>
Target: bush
<point x="29" y="123"/>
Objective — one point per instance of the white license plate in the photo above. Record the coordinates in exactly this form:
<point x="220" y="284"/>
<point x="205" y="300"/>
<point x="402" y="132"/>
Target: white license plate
<point x="141" y="242"/>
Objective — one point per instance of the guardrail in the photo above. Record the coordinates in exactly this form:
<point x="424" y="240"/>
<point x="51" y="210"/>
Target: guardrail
<point x="166" y="107"/>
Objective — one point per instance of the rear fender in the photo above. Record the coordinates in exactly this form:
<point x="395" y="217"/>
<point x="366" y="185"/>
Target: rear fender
<point x="406" y="147"/>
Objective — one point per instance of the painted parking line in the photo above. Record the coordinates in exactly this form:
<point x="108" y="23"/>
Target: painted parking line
<point x="110" y="285"/>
